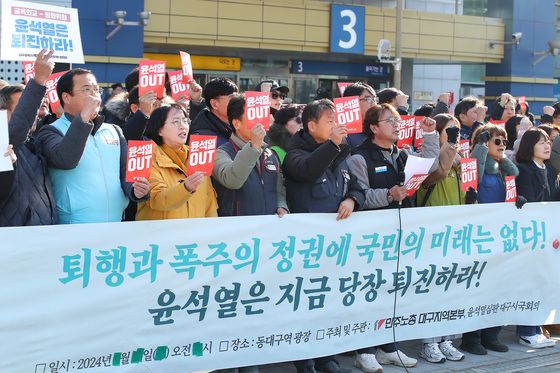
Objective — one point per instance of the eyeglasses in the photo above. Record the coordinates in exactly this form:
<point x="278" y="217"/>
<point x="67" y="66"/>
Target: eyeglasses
<point x="370" y="99"/>
<point x="179" y="123"/>
<point x="276" y="96"/>
<point x="89" y="90"/>
<point x="500" y="141"/>
<point x="391" y="120"/>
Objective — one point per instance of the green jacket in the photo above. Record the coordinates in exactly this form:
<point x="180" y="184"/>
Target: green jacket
<point x="446" y="192"/>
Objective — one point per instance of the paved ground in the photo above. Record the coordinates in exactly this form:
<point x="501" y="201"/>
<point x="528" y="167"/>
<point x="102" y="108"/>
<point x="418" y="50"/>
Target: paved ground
<point x="520" y="359"/>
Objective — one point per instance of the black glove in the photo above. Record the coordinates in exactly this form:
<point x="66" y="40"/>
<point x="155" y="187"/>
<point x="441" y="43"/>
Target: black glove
<point x="484" y="137"/>
<point x="471" y="196"/>
<point x="520" y="201"/>
<point x="452" y="135"/>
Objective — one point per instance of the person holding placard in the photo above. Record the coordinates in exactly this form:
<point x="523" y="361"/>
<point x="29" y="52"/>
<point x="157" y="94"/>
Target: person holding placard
<point x="493" y="166"/>
<point x="173" y="194"/>
<point x="86" y="156"/>
<point x="27" y="197"/>
<point x="213" y="119"/>
<point x="287" y="123"/>
<point x="247" y="175"/>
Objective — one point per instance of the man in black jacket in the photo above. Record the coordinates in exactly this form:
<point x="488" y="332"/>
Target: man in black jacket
<point x="318" y="180"/>
<point x="213" y="119"/>
<point x="28" y="198"/>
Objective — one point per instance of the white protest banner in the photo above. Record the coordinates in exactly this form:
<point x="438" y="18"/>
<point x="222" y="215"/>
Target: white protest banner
<point x="5" y="162"/>
<point x="201" y="294"/>
<point x="29" y="27"/>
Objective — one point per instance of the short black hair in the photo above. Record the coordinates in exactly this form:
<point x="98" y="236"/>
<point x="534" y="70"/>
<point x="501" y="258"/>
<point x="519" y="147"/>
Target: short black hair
<point x="66" y="82"/>
<point x="218" y="87"/>
<point x="6" y="94"/>
<point x="132" y="79"/>
<point x="116" y="85"/>
<point x="387" y="95"/>
<point x="511" y="130"/>
<point x="157" y="121"/>
<point x="425" y="110"/>
<point x="235" y="109"/>
<point x="527" y="144"/>
<point x="356" y="89"/>
<point x="466" y="104"/>
<point x="314" y="110"/>
<point x="283" y="116"/>
<point x="133" y="96"/>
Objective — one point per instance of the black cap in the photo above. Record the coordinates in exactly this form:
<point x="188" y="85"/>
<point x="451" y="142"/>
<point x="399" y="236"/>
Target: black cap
<point x="275" y="87"/>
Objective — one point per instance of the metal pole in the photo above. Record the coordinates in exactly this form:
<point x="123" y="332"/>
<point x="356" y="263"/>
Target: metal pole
<point x="398" y="42"/>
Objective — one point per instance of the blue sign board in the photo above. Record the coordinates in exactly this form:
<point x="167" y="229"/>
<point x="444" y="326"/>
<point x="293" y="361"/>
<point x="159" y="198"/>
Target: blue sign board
<point x="347" y="29"/>
<point x="340" y="68"/>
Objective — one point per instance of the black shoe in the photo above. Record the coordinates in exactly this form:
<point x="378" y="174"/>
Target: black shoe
<point x="495" y="346"/>
<point x="306" y="370"/>
<point x="330" y="366"/>
<point x="473" y="348"/>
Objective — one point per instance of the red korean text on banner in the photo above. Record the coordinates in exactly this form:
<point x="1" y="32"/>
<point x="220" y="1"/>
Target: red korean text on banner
<point x="151" y="77"/>
<point x="28" y="71"/>
<point x="418" y="132"/>
<point x="511" y="189"/>
<point x="406" y="130"/>
<point x="464" y="148"/>
<point x="348" y="113"/>
<point x="139" y="160"/>
<point x="499" y="123"/>
<point x="469" y="174"/>
<point x="342" y="87"/>
<point x="257" y="109"/>
<point x="202" y="154"/>
<point x="187" y="66"/>
<point x="414" y="183"/>
<point x="52" y="96"/>
<point x="179" y="87"/>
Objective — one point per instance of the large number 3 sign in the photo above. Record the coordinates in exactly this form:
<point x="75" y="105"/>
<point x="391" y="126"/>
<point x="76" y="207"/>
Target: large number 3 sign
<point x="347" y="29"/>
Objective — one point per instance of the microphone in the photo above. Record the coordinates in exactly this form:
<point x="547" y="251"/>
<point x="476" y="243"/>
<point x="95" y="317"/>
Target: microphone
<point x="402" y="177"/>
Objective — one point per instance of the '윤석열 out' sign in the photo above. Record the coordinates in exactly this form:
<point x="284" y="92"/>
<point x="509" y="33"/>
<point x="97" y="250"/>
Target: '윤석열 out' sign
<point x="179" y="86"/>
<point x="406" y="130"/>
<point x="418" y="134"/>
<point x="342" y="87"/>
<point x="257" y="109"/>
<point x="186" y="66"/>
<point x="139" y="160"/>
<point x="202" y="151"/>
<point x="52" y="96"/>
<point x="348" y="113"/>
<point x="414" y="183"/>
<point x="511" y="189"/>
<point x="464" y="148"/>
<point x="151" y="77"/>
<point x="28" y="70"/>
<point x="469" y="174"/>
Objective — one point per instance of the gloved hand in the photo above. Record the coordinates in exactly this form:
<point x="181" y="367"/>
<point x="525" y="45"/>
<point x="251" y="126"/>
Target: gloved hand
<point x="524" y="125"/>
<point x="452" y="135"/>
<point x="484" y="137"/>
<point x="520" y="201"/>
<point x="471" y="196"/>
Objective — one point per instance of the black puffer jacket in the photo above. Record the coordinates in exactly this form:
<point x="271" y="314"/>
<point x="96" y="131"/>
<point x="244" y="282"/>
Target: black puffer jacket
<point x="26" y="197"/>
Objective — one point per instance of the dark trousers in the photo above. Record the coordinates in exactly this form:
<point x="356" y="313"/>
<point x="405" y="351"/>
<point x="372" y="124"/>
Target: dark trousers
<point x="389" y="347"/>
<point x="483" y="335"/>
<point x="301" y="364"/>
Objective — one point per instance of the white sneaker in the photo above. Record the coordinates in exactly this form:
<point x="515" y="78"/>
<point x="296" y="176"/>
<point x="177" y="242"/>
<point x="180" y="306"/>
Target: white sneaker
<point x="537" y="341"/>
<point x="367" y="363"/>
<point x="450" y="352"/>
<point x="393" y="358"/>
<point x="431" y="353"/>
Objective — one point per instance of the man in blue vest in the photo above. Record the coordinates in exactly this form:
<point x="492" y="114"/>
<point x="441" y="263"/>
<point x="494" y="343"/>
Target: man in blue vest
<point x="87" y="157"/>
<point x="247" y="175"/>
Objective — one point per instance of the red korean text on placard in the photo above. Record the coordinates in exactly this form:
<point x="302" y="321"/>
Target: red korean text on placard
<point x="28" y="71"/>
<point x="406" y="130"/>
<point x="202" y="154"/>
<point x="414" y="183"/>
<point x="348" y="113"/>
<point x="469" y="174"/>
<point x="418" y="139"/>
<point x="511" y="189"/>
<point x="186" y="66"/>
<point x="464" y="148"/>
<point x="52" y="96"/>
<point x="179" y="87"/>
<point x="257" y="109"/>
<point x="151" y="77"/>
<point x="139" y="160"/>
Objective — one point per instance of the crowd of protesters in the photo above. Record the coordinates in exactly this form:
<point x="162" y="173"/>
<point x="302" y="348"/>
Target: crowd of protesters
<point x="69" y="166"/>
